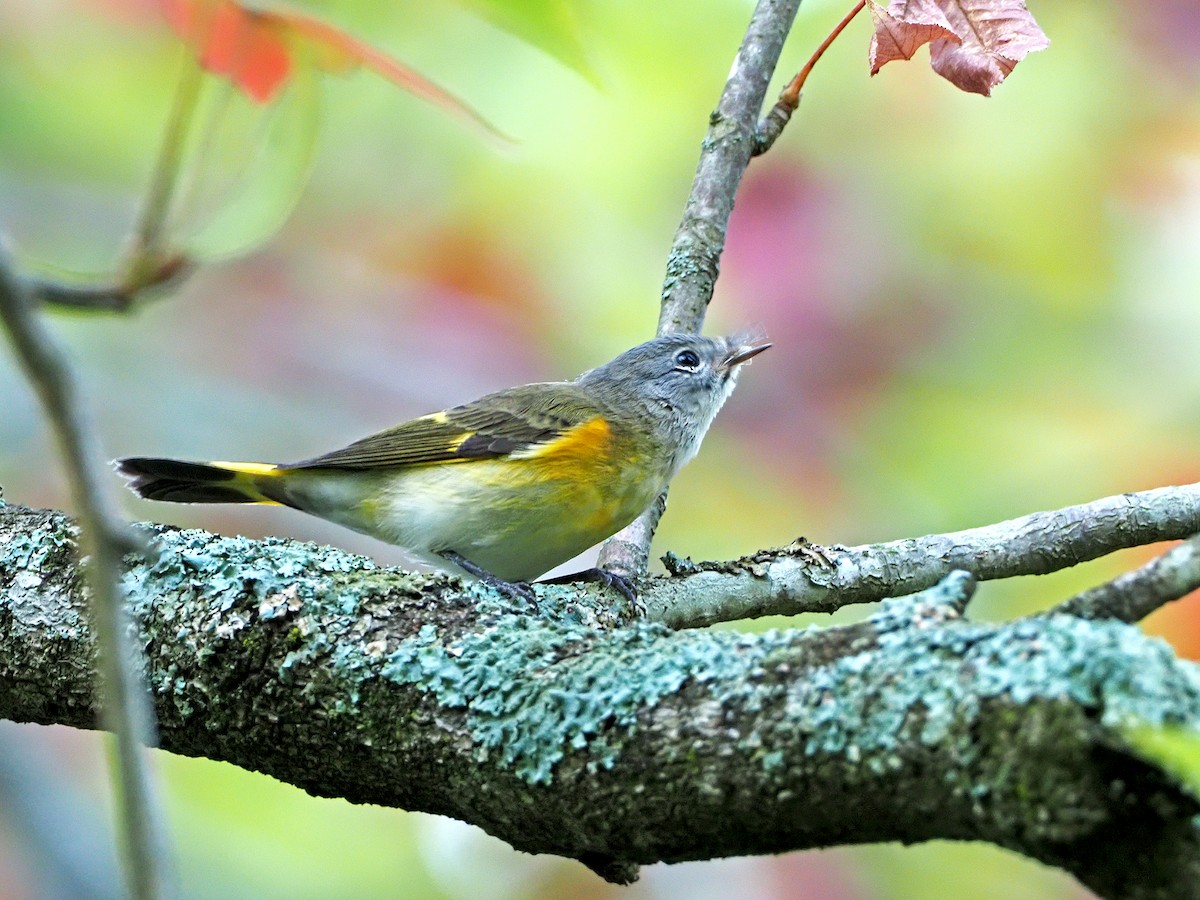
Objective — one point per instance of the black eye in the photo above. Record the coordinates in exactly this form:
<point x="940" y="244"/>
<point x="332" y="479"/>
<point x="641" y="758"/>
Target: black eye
<point x="687" y="360"/>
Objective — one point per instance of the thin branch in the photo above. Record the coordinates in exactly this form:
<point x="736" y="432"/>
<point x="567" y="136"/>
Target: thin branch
<point x="111" y="297"/>
<point x="148" y="265"/>
<point x="105" y="539"/>
<point x="807" y="578"/>
<point x="694" y="260"/>
<point x="148" y="235"/>
<point x="1132" y="596"/>
<point x="780" y="114"/>
<point x="99" y="297"/>
<point x="627" y="553"/>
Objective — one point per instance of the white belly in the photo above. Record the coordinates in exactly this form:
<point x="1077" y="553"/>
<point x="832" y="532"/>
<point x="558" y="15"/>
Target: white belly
<point x="488" y="511"/>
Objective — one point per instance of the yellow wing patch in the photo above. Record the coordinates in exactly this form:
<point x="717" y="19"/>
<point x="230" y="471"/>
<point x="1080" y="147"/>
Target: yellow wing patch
<point x="586" y="442"/>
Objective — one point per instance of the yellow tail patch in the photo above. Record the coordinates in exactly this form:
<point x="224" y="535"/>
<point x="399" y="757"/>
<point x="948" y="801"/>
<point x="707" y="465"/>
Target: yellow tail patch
<point x="247" y="468"/>
<point x="247" y="473"/>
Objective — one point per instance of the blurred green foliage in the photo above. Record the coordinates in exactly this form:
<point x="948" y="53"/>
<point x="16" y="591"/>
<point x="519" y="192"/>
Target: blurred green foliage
<point x="1175" y="750"/>
<point x="980" y="308"/>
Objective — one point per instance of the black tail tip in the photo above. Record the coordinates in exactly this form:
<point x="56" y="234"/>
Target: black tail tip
<point x="177" y="480"/>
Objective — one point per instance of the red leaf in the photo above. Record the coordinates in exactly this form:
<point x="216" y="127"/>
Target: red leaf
<point x="337" y="52"/>
<point x="245" y="46"/>
<point x="259" y="49"/>
<point x="974" y="44"/>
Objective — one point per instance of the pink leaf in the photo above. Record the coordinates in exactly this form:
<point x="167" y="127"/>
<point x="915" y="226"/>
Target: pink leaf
<point x="903" y="28"/>
<point x="996" y="35"/>
<point x="974" y="44"/>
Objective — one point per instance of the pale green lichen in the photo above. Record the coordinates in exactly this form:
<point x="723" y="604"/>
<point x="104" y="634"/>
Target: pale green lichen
<point x="534" y="690"/>
<point x="207" y="566"/>
<point x="204" y="592"/>
<point x="36" y="549"/>
<point x="946" y="673"/>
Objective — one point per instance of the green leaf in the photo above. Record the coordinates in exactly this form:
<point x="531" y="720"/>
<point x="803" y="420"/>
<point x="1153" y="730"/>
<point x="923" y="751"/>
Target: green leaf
<point x="553" y="26"/>
<point x="1175" y="750"/>
<point x="249" y="183"/>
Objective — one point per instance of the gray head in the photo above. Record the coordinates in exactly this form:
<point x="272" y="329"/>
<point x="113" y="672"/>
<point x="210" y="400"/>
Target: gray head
<point x="680" y="380"/>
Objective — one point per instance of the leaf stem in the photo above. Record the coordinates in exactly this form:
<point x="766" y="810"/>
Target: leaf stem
<point x="774" y="121"/>
<point x="148" y="236"/>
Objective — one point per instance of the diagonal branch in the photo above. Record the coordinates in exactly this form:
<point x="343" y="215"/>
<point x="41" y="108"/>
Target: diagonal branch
<point x="776" y="119"/>
<point x="115" y="296"/>
<point x="695" y="256"/>
<point x="618" y="745"/>
<point x="126" y="709"/>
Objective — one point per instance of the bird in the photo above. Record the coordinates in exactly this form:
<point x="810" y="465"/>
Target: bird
<point x="510" y="485"/>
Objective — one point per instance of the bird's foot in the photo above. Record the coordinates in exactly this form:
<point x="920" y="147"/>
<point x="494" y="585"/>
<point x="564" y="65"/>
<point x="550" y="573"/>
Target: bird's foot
<point x="626" y="587"/>
<point x="514" y="590"/>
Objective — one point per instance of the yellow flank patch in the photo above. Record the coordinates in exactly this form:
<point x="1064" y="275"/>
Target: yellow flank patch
<point x="440" y="417"/>
<point x="586" y="442"/>
<point x="247" y="468"/>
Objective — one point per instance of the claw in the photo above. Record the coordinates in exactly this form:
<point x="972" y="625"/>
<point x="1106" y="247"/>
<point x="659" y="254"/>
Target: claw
<point x="626" y="587"/>
<point x="513" y="590"/>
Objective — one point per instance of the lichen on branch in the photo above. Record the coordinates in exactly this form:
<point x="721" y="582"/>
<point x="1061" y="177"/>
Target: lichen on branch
<point x="571" y="728"/>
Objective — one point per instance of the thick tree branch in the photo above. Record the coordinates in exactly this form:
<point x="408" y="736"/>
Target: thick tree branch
<point x="806" y="578"/>
<point x="105" y="538"/>
<point x="695" y="256"/>
<point x="619" y="744"/>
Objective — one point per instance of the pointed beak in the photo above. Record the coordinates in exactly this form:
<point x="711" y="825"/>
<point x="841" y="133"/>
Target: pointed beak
<point x="743" y="353"/>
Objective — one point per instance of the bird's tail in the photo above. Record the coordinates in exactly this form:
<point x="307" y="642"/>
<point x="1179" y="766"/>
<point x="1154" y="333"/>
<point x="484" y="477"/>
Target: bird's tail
<point x="180" y="481"/>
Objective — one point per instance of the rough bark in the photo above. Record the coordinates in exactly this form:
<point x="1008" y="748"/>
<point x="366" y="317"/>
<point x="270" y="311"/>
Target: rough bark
<point x="573" y="729"/>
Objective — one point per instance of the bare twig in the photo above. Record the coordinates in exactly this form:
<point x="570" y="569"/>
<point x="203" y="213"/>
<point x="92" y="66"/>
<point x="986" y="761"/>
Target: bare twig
<point x="1132" y="596"/>
<point x="806" y="578"/>
<point x="696" y="251"/>
<point x="694" y="260"/>
<point x="627" y="553"/>
<point x="774" y="121"/>
<point x="149" y="232"/>
<point x="148" y="264"/>
<point x="99" y="297"/>
<point x="105" y="539"/>
<point x="110" y="297"/>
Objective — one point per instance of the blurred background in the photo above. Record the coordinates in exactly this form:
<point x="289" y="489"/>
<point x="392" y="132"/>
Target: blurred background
<point x="980" y="308"/>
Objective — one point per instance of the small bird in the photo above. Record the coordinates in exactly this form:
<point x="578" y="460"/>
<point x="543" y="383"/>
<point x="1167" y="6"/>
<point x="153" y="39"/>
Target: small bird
<point x="510" y="485"/>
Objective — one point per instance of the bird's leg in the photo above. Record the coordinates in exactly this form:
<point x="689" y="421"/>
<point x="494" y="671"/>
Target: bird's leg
<point x="514" y="590"/>
<point x="626" y="587"/>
